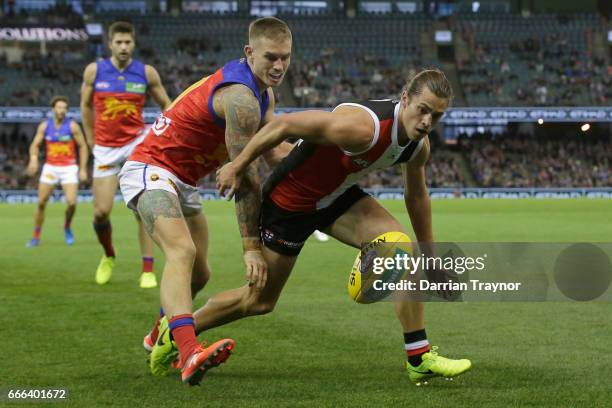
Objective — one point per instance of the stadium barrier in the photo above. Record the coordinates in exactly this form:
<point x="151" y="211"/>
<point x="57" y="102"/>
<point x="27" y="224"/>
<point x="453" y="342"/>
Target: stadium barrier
<point x="454" y="116"/>
<point x="31" y="196"/>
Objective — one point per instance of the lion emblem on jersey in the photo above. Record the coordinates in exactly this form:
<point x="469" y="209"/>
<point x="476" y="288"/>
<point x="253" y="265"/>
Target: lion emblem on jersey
<point x="114" y="107"/>
<point x="59" y="149"/>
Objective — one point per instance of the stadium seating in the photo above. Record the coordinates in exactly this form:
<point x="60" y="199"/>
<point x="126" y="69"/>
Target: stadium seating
<point x="512" y="60"/>
<point x="541" y="60"/>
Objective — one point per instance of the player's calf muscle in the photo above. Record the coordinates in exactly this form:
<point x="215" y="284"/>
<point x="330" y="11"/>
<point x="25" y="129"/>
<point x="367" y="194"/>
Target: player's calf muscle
<point x="157" y="203"/>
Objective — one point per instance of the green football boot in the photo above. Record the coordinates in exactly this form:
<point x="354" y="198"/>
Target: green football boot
<point x="434" y="365"/>
<point x="105" y="270"/>
<point x="164" y="352"/>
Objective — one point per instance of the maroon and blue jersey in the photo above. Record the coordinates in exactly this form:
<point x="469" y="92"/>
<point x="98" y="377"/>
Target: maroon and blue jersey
<point x="59" y="143"/>
<point x="188" y="139"/>
<point x="119" y="97"/>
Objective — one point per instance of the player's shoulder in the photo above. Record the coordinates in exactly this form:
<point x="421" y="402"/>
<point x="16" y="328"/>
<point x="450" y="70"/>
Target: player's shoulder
<point x="42" y="126"/>
<point x="237" y="92"/>
<point x="149" y="68"/>
<point x="354" y="116"/>
<point x="89" y="74"/>
<point x="384" y="109"/>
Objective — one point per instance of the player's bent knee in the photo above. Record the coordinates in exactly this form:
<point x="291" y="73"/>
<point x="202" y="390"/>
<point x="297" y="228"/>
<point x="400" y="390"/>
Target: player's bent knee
<point x="101" y="214"/>
<point x="260" y="308"/>
<point x="199" y="280"/>
<point x="184" y="251"/>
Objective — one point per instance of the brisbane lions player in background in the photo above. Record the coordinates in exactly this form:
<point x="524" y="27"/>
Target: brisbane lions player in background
<point x="211" y="120"/>
<point x="315" y="188"/>
<point x="60" y="135"/>
<point x="113" y="94"/>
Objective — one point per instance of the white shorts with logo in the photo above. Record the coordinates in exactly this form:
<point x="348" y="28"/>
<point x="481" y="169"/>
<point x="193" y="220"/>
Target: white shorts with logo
<point x="136" y="177"/>
<point x="59" y="174"/>
<point x="108" y="160"/>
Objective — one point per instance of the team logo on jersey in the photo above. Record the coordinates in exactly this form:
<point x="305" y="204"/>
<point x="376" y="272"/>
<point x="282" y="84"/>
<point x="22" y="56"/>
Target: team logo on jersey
<point x="161" y="124"/>
<point x="103" y="85"/>
<point x="361" y="162"/>
<point x="135" y="87"/>
<point x="114" y="107"/>
<point x="59" y="149"/>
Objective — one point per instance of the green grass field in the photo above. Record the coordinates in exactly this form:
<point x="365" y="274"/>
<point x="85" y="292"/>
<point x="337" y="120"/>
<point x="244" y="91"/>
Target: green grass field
<point x="59" y="329"/>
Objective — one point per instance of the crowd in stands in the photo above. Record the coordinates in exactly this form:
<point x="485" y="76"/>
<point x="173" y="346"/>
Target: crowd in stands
<point x="555" y="80"/>
<point x="522" y="161"/>
<point x="558" y="68"/>
<point x="323" y="82"/>
<point x="13" y="161"/>
<point x="536" y="70"/>
<point x="529" y="70"/>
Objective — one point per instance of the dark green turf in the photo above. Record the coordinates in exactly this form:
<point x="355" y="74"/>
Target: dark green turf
<point x="59" y="329"/>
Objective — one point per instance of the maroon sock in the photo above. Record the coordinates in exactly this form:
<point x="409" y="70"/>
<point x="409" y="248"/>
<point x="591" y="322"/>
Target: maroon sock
<point x="147" y="264"/>
<point x="104" y="232"/>
<point x="182" y="328"/>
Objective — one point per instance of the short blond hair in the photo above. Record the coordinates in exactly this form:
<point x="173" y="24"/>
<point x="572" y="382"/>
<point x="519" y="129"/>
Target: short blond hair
<point x="269" y="27"/>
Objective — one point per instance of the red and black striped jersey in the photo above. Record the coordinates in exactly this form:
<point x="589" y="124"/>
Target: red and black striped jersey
<point x="312" y="176"/>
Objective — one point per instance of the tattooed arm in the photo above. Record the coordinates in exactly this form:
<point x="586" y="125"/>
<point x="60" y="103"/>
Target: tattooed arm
<point x="237" y="104"/>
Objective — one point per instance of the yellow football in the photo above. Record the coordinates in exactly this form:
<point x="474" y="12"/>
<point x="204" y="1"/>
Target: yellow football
<point x="361" y="280"/>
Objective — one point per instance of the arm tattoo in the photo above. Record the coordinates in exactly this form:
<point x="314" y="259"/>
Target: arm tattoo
<point x="248" y="203"/>
<point x="153" y="204"/>
<point x="242" y="118"/>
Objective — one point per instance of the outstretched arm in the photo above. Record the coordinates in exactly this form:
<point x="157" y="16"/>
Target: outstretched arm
<point x="347" y="130"/>
<point x="278" y="153"/>
<point x="351" y="129"/>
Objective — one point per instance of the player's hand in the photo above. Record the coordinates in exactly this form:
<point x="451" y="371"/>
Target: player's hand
<point x="256" y="268"/>
<point x="227" y="180"/>
<point x="32" y="168"/>
<point x="83" y="175"/>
